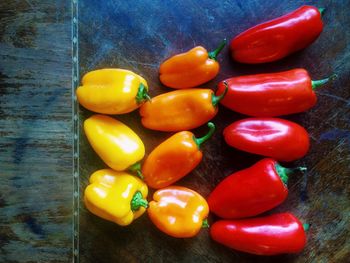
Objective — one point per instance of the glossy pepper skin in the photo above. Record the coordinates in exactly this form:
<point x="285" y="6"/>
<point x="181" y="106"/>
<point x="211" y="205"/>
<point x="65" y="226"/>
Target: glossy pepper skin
<point x="180" y="110"/>
<point x="116" y="196"/>
<point x="277" y="38"/>
<point x="271" y="137"/>
<point x="178" y="211"/>
<point x="251" y="191"/>
<point x="270" y="235"/>
<point x="174" y="158"/>
<point x="190" y="69"/>
<point x="116" y="144"/>
<point x="270" y="95"/>
<point x="112" y="91"/>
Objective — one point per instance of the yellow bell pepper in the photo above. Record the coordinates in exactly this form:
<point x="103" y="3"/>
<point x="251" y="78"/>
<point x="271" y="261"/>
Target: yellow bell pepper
<point x="112" y="91"/>
<point x="116" y="144"/>
<point x="116" y="196"/>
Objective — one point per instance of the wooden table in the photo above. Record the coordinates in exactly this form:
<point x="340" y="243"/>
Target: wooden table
<point x="37" y="70"/>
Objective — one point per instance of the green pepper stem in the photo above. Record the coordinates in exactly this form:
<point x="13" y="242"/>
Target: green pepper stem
<point x="136" y="168"/>
<point x="205" y="223"/>
<point x="284" y="172"/>
<point x="318" y="83"/>
<point x="142" y="94"/>
<point x="321" y="10"/>
<point x="200" y="141"/>
<point x="306" y="226"/>
<point x="213" y="54"/>
<point x="137" y="201"/>
<point x="216" y="99"/>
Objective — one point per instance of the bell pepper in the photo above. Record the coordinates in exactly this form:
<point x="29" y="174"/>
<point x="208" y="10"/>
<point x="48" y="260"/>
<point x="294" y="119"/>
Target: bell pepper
<point x="271" y="137"/>
<point x="251" y="191"/>
<point x="116" y="144"/>
<point x="178" y="211"/>
<point x="112" y="91"/>
<point x="180" y="110"/>
<point x="273" y="94"/>
<point x="190" y="69"/>
<point x="174" y="158"/>
<point x="116" y="196"/>
<point x="279" y="37"/>
<point x="270" y="235"/>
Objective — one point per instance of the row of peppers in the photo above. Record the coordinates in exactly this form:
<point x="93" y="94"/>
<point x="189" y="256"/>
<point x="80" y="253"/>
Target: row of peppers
<point x="116" y="195"/>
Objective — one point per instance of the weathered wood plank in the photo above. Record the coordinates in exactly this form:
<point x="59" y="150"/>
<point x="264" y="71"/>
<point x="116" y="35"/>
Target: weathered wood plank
<point x="35" y="132"/>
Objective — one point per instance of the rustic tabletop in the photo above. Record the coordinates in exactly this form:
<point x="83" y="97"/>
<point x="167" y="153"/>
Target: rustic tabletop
<point x="45" y="160"/>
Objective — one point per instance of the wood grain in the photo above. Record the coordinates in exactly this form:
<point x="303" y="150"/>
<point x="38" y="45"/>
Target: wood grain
<point x="138" y="36"/>
<point x="35" y="132"/>
<point x="36" y="125"/>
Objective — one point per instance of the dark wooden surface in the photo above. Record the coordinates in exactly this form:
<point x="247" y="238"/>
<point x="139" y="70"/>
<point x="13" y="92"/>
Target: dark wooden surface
<point x="138" y="36"/>
<point x="36" y="129"/>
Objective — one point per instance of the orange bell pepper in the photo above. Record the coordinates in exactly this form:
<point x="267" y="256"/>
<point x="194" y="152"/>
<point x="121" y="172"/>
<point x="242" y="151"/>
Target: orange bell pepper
<point x="180" y="110"/>
<point x="178" y="211"/>
<point x="190" y="69"/>
<point x="174" y="158"/>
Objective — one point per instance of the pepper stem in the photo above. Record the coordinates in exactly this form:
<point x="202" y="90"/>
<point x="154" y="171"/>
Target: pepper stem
<point x="318" y="83"/>
<point x="213" y="54"/>
<point x="142" y="94"/>
<point x="306" y="226"/>
<point x="136" y="168"/>
<point x="137" y="201"/>
<point x="321" y="10"/>
<point x="284" y="172"/>
<point x="216" y="99"/>
<point x="200" y="141"/>
<point x="205" y="223"/>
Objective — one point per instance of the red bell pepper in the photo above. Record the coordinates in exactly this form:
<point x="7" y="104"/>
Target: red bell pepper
<point x="273" y="94"/>
<point x="271" y="137"/>
<point x="269" y="235"/>
<point x="251" y="191"/>
<point x="279" y="37"/>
